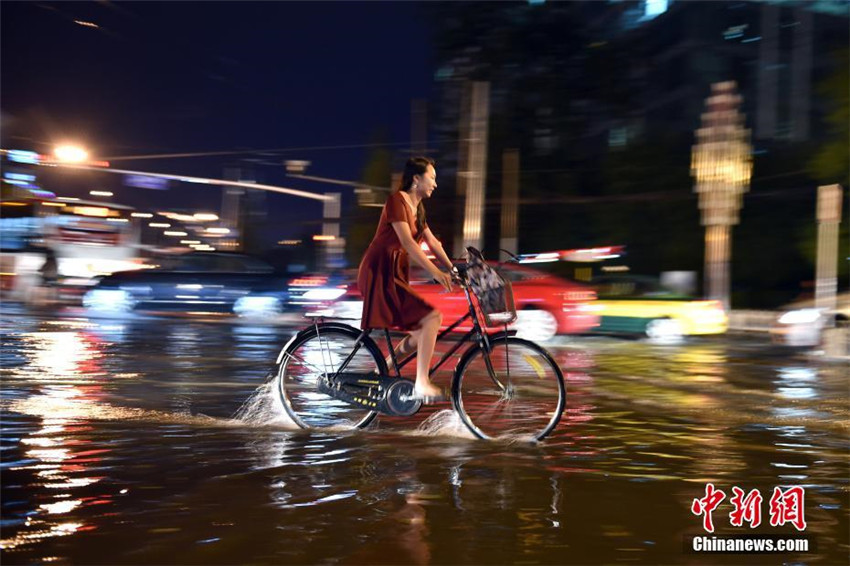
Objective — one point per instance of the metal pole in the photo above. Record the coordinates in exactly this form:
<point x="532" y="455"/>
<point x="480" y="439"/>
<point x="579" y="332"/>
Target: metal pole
<point x="829" y="217"/>
<point x="231" y="209"/>
<point x="419" y="126"/>
<point x="472" y="171"/>
<point x="333" y="246"/>
<point x="717" y="252"/>
<point x="510" y="196"/>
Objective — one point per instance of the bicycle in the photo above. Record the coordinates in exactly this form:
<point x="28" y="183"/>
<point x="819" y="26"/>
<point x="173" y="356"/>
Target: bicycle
<point x="332" y="374"/>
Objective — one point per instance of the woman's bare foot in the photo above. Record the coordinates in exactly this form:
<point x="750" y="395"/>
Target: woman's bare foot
<point x="427" y="390"/>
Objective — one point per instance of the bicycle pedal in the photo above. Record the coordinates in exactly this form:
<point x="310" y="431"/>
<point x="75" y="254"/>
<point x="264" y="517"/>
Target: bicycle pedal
<point x="400" y="399"/>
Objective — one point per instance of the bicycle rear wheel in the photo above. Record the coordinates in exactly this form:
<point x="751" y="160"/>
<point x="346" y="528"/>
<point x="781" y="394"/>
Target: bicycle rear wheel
<point x="517" y="391"/>
<point x="323" y="350"/>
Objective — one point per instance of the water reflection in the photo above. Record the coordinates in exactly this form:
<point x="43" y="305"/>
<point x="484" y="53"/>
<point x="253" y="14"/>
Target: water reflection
<point x="254" y="342"/>
<point x="797" y="382"/>
<point x="111" y="332"/>
<point x="66" y="377"/>
<point x="645" y="428"/>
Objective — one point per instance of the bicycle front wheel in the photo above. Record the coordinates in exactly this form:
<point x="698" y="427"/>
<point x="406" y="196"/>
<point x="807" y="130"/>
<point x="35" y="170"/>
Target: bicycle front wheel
<point x="515" y="391"/>
<point x="319" y="351"/>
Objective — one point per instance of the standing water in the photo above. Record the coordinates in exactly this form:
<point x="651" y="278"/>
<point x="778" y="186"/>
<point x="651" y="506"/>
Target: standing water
<point x="163" y="442"/>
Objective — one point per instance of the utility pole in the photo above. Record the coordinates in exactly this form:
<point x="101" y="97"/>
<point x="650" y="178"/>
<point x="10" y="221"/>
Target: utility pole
<point x="472" y="165"/>
<point x="510" y="195"/>
<point x="231" y="208"/>
<point x="419" y="127"/>
<point x="332" y="244"/>
<point x="829" y="217"/>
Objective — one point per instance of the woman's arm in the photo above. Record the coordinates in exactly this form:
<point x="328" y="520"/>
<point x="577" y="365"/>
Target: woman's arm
<point x="402" y="230"/>
<point x="437" y="247"/>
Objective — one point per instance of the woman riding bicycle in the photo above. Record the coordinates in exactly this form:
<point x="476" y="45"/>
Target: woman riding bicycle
<point x="383" y="278"/>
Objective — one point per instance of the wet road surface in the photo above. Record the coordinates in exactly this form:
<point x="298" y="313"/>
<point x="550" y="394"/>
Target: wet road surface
<point x="160" y="441"/>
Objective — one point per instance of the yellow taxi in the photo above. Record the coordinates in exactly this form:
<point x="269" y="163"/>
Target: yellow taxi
<point x="640" y="305"/>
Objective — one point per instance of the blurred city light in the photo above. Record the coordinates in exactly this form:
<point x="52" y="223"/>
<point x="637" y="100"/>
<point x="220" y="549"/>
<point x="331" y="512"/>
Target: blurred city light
<point x="205" y="217"/>
<point x="323" y="238"/>
<point x="100" y="193"/>
<point x="721" y="163"/>
<point x="296" y="165"/>
<point x="70" y="154"/>
<point x="22" y="156"/>
<point x="159" y="225"/>
<point x="218" y="230"/>
<point x="91" y="211"/>
<point x="175" y="233"/>
<point x="141" y="215"/>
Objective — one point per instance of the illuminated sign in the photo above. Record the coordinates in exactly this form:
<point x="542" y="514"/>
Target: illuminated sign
<point x="146" y="182"/>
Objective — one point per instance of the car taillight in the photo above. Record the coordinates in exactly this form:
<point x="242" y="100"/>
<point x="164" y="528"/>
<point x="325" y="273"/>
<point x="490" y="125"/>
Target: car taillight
<point x="580" y="296"/>
<point x="309" y="282"/>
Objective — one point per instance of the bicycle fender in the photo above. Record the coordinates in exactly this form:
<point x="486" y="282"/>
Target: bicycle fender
<point x="501" y="334"/>
<point x="333" y="325"/>
<point x="299" y="334"/>
<point x="286" y="347"/>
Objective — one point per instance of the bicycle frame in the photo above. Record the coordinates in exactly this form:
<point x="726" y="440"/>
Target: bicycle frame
<point x="476" y="331"/>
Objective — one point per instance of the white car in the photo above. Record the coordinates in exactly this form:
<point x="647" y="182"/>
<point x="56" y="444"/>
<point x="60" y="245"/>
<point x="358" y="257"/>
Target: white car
<point x="801" y="324"/>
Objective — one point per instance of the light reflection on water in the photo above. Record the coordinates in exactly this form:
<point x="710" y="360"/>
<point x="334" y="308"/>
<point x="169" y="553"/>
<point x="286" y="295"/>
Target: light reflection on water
<point x="172" y="432"/>
<point x="65" y="371"/>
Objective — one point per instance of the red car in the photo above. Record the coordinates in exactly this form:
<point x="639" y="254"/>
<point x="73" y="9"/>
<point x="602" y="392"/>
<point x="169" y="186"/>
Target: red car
<point x="546" y="305"/>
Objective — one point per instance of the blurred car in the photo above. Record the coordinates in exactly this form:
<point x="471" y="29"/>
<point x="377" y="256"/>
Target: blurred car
<point x="312" y="292"/>
<point x="218" y="282"/>
<point x="546" y="305"/>
<point x="801" y="324"/>
<point x="640" y="305"/>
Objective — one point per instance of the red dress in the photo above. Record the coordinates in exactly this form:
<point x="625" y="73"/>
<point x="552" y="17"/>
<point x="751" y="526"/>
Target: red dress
<point x="384" y="275"/>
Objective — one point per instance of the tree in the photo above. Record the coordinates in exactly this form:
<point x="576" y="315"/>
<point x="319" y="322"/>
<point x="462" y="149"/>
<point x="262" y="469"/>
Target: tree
<point x="364" y="219"/>
<point x="831" y="161"/>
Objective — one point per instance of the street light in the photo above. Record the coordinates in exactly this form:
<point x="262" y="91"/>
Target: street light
<point x="67" y="153"/>
<point x="721" y="163"/>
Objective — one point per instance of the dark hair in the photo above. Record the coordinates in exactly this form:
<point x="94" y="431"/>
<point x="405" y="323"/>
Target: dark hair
<point x="415" y="166"/>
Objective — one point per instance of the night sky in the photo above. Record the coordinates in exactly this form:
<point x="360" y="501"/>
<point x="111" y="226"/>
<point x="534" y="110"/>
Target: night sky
<point x="169" y="77"/>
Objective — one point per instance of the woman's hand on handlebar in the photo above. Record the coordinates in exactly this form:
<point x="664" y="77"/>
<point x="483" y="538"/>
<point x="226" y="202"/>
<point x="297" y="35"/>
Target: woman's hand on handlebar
<point x="457" y="276"/>
<point x="443" y="278"/>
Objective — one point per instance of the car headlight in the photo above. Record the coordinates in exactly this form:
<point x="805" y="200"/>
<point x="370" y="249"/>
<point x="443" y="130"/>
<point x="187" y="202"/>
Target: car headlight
<point x="801" y="316"/>
<point x="108" y="300"/>
<point x="256" y="306"/>
<point x="323" y="294"/>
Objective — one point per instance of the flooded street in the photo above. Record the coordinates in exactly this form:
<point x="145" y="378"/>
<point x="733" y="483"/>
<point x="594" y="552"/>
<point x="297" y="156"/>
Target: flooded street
<point x="160" y="441"/>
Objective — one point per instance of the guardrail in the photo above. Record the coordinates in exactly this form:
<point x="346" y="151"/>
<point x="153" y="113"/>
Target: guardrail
<point x="751" y="320"/>
<point x="834" y="342"/>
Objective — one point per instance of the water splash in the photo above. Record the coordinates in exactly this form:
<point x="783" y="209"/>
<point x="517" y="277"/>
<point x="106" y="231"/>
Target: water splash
<point x="444" y="423"/>
<point x="263" y="408"/>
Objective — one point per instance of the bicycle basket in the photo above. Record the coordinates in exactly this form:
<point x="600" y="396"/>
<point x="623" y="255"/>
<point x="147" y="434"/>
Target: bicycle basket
<point x="493" y="292"/>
